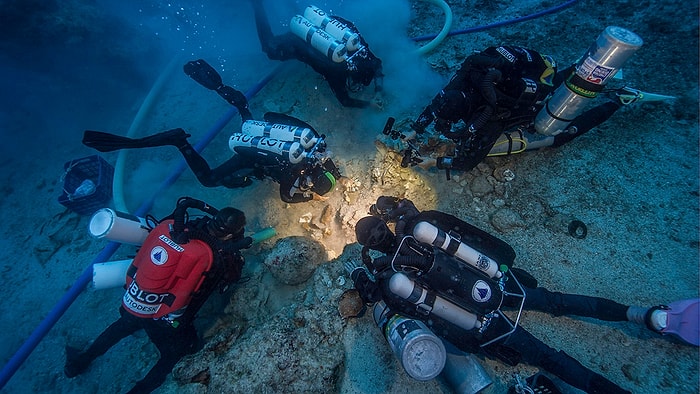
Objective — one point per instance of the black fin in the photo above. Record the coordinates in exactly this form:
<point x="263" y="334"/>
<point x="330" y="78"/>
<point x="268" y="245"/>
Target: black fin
<point x="106" y="142"/>
<point x="203" y="74"/>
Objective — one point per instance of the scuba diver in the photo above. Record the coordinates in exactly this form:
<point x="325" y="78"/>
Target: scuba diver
<point x="332" y="46"/>
<point x="180" y="263"/>
<point x="454" y="279"/>
<point x="504" y="100"/>
<point x="286" y="149"/>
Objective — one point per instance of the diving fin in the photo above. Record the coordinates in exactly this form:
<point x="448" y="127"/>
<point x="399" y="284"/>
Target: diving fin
<point x="106" y="142"/>
<point x="683" y="320"/>
<point x="203" y="74"/>
<point x="627" y="95"/>
<point x="276" y="117"/>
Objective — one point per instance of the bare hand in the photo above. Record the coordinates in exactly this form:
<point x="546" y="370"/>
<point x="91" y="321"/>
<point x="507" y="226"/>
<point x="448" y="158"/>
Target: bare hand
<point x="378" y="101"/>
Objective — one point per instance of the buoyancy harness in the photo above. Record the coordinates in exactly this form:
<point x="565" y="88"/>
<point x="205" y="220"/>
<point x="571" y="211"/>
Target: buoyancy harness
<point x="431" y="274"/>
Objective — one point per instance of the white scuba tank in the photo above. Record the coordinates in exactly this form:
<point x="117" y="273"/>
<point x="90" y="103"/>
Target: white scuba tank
<point x="600" y="64"/>
<point x="339" y="30"/>
<point x="513" y="142"/>
<point x="318" y="39"/>
<point x="118" y="227"/>
<point x="421" y="352"/>
<point x="404" y="287"/>
<point x="305" y="136"/>
<point x="427" y="233"/>
<point x="289" y="150"/>
<point x="110" y="274"/>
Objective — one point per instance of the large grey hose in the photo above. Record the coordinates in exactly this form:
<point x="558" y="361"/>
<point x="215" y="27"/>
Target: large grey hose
<point x="118" y="182"/>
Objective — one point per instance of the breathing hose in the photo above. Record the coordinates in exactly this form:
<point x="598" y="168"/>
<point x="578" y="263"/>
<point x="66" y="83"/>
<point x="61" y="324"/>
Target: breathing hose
<point x="84" y="279"/>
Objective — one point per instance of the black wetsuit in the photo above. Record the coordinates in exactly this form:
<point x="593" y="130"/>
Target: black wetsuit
<point x="238" y="171"/>
<point x="509" y="100"/>
<point x="520" y="346"/>
<point x="173" y="339"/>
<point x="288" y="46"/>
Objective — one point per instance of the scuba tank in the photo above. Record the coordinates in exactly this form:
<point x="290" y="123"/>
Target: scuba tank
<point x="402" y="286"/>
<point x="339" y="30"/>
<point x="604" y="58"/>
<point x="118" y="227"/>
<point x="305" y="136"/>
<point x="421" y="353"/>
<point x="427" y="233"/>
<point x="291" y="151"/>
<point x="463" y="372"/>
<point x="318" y="38"/>
<point x="110" y="274"/>
<point x="518" y="141"/>
<point x="464" y="286"/>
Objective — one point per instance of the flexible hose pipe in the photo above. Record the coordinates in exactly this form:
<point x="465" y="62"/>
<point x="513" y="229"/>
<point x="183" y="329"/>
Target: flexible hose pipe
<point x="118" y="181"/>
<point x="445" y="28"/>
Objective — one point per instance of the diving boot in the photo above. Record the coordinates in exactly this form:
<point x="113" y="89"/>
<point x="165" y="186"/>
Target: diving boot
<point x="653" y="318"/>
<point x="76" y="362"/>
<point x="680" y="318"/>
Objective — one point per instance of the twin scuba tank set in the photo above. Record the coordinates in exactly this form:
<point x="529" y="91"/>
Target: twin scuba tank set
<point x="291" y="143"/>
<point x="471" y="290"/>
<point x="328" y="35"/>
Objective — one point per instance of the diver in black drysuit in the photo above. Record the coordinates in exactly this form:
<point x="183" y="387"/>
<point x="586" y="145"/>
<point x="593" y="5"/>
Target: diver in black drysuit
<point x="364" y="68"/>
<point x="372" y="278"/>
<point x="298" y="182"/>
<point x="497" y="90"/>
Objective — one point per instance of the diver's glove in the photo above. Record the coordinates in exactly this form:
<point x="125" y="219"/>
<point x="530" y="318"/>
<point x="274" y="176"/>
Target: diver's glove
<point x="355" y="269"/>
